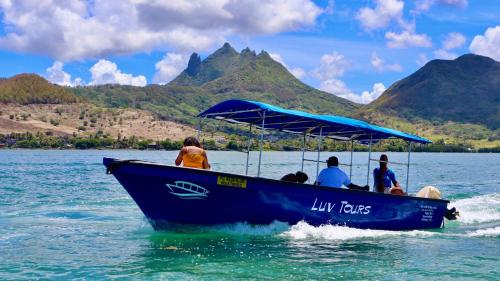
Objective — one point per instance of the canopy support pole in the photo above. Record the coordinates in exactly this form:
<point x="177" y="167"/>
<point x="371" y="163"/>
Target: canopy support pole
<point x="261" y="140"/>
<point x="408" y="167"/>
<point x="303" y="153"/>
<point x="319" y="151"/>
<point x="350" y="166"/>
<point x="369" y="157"/>
<point x="199" y="128"/>
<point x="248" y="148"/>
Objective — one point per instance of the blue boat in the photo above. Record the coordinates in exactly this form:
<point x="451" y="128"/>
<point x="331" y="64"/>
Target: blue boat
<point x="169" y="195"/>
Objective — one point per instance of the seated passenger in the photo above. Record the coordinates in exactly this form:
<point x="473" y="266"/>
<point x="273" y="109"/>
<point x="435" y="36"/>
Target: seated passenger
<point x="301" y="177"/>
<point x="383" y="176"/>
<point x="298" y="177"/>
<point x="192" y="155"/>
<point x="335" y="177"/>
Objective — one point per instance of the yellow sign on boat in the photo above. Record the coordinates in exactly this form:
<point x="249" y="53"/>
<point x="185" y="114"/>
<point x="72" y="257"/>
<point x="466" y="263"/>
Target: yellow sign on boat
<point x="232" y="181"/>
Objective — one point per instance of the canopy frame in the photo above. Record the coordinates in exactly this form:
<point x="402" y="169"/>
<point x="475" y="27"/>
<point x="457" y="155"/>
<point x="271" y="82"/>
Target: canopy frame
<point x="296" y="122"/>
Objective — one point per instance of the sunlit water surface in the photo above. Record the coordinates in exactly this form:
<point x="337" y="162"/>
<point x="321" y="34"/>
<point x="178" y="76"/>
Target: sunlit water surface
<point x="61" y="217"/>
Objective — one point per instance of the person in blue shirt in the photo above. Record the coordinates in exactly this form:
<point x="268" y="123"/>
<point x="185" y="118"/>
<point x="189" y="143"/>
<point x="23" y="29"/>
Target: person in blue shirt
<point x="335" y="177"/>
<point x="383" y="176"/>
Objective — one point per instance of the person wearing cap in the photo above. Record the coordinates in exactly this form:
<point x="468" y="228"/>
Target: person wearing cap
<point x="332" y="176"/>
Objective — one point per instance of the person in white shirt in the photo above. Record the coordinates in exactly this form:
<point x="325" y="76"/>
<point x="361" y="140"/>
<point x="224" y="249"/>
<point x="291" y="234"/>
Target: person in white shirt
<point x="335" y="177"/>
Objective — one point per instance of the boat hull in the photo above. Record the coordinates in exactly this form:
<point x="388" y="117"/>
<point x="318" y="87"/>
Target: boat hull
<point x="173" y="195"/>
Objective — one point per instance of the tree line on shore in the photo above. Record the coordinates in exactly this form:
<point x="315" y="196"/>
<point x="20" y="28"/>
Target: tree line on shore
<point x="100" y="140"/>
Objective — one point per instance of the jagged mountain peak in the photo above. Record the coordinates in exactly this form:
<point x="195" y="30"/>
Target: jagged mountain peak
<point x="248" y="53"/>
<point x="193" y="65"/>
<point x="223" y="61"/>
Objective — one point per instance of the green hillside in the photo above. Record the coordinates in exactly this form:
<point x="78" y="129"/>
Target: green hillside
<point x="454" y="101"/>
<point x="226" y="74"/>
<point x="33" y="89"/>
<point x="465" y="90"/>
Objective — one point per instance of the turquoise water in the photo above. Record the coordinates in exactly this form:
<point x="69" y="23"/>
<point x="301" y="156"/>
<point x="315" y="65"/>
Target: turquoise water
<point x="62" y="218"/>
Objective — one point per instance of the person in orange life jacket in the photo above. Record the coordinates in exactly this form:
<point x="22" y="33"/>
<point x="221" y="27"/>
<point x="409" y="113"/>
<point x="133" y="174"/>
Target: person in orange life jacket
<point x="192" y="155"/>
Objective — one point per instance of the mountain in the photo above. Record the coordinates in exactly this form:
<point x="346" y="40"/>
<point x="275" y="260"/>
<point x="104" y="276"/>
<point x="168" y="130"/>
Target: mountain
<point x="464" y="90"/>
<point x="221" y="62"/>
<point x="33" y="89"/>
<point x="225" y="74"/>
<point x="454" y="101"/>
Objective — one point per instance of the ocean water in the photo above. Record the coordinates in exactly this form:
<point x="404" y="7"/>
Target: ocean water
<point x="62" y="218"/>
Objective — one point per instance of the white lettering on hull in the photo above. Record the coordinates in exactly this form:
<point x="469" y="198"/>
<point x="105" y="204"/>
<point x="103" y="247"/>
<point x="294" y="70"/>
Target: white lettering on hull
<point x="323" y="206"/>
<point x="345" y="207"/>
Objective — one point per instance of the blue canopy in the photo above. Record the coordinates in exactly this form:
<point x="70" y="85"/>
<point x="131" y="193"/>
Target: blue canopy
<point x="273" y="117"/>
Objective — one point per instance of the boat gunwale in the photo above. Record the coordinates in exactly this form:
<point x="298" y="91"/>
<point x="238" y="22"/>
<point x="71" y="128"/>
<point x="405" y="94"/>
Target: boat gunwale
<point x="301" y="185"/>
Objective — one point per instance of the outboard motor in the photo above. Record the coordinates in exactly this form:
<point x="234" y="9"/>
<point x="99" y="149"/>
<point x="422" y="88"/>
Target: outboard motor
<point x="433" y="192"/>
<point x="451" y="214"/>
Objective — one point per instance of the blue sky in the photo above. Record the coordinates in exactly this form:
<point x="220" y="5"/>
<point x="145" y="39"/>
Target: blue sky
<point x="353" y="49"/>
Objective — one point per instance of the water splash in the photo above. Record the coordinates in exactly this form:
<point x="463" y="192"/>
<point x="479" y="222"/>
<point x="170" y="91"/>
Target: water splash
<point x="486" y="232"/>
<point x="302" y="230"/>
<point x="478" y="209"/>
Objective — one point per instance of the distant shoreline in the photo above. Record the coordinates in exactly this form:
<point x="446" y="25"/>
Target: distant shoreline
<point x="102" y="141"/>
<point x="226" y="150"/>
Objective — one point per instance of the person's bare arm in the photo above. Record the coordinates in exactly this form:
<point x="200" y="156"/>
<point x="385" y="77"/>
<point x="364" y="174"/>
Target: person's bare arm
<point x="178" y="160"/>
<point x="206" y="165"/>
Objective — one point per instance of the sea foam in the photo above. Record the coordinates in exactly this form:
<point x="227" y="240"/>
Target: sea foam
<point x="303" y="230"/>
<point x="478" y="209"/>
<point x="486" y="232"/>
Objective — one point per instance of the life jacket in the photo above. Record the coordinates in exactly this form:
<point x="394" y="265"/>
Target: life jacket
<point x="193" y="158"/>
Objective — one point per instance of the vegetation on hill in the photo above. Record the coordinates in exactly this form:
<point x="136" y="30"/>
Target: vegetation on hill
<point x="226" y="74"/>
<point x="31" y="88"/>
<point x="455" y="103"/>
<point x="464" y="90"/>
<point x="101" y="140"/>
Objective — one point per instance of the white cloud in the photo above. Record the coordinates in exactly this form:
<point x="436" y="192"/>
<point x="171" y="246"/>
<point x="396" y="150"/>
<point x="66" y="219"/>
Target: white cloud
<point x="298" y="72"/>
<point x="384" y="12"/>
<point x="335" y="86"/>
<point x="277" y="58"/>
<point x="340" y="89"/>
<point x="445" y="55"/>
<point x="407" y="39"/>
<point x="380" y="65"/>
<point x="487" y="44"/>
<point x="387" y="11"/>
<point x="106" y="72"/>
<point x="76" y="30"/>
<point x="295" y="71"/>
<point x="422" y="60"/>
<point x="425" y="5"/>
<point x="456" y="3"/>
<point x="169" y="67"/>
<point x="453" y="40"/>
<point x="331" y="66"/>
<point x="377" y="90"/>
<point x="56" y="75"/>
